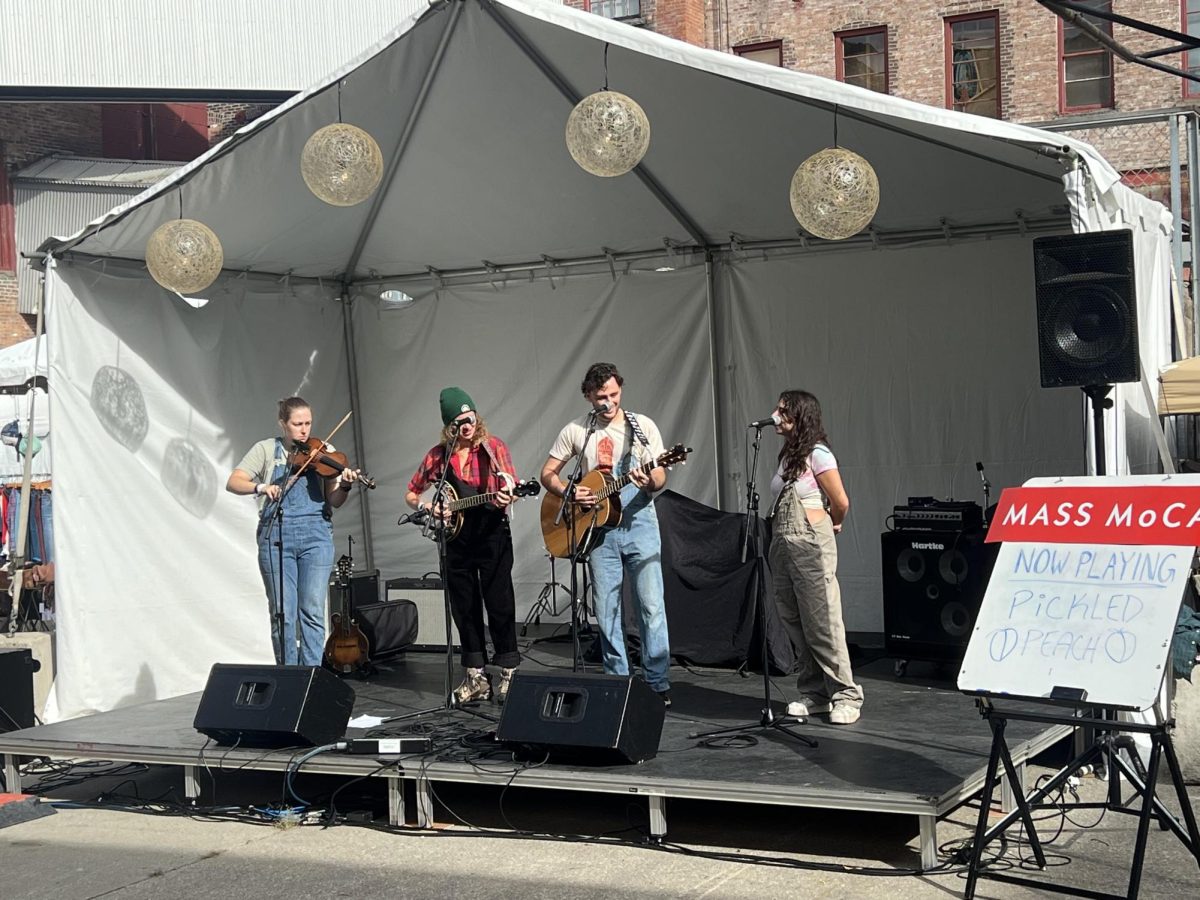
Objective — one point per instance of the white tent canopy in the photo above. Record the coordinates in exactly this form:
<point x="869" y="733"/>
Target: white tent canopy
<point x="919" y="337"/>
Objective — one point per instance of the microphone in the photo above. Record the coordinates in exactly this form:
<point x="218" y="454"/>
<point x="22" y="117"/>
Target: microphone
<point x="602" y="407"/>
<point x="982" y="477"/>
<point x="772" y="419"/>
<point x="414" y="517"/>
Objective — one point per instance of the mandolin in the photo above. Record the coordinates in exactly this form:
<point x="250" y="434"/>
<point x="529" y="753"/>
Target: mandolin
<point x="556" y="532"/>
<point x="347" y="647"/>
<point x="455" y="505"/>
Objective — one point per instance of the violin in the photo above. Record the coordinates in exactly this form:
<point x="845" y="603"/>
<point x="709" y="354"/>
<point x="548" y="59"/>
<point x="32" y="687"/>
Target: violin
<point x="318" y="456"/>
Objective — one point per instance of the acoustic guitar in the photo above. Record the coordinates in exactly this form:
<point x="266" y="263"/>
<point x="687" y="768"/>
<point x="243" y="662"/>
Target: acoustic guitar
<point x="556" y="529"/>
<point x="347" y="647"/>
<point x="456" y="506"/>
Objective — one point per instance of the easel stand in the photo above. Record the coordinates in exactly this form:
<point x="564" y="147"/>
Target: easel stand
<point x="752" y="546"/>
<point x="1103" y="750"/>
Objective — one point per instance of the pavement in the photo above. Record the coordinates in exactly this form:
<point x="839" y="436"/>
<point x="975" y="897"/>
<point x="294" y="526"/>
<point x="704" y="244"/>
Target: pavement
<point x="493" y="843"/>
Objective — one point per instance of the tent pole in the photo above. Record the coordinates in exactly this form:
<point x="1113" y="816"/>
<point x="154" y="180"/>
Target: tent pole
<point x="18" y="557"/>
<point x="364" y="506"/>
<point x="573" y="96"/>
<point x="714" y="376"/>
<point x="402" y="143"/>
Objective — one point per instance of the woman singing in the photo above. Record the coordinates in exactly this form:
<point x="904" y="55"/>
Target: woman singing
<point x="306" y="534"/>
<point x="479" y="560"/>
<point x="804" y="560"/>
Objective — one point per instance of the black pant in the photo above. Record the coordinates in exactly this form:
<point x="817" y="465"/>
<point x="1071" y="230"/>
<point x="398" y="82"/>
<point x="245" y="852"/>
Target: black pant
<point x="479" y="563"/>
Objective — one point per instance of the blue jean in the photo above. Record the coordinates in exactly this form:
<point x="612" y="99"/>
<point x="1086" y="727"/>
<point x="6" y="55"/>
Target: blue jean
<point x="633" y="546"/>
<point x="307" y="561"/>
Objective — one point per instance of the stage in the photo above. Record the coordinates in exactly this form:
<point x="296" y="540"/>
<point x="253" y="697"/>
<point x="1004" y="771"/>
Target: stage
<point x="920" y="748"/>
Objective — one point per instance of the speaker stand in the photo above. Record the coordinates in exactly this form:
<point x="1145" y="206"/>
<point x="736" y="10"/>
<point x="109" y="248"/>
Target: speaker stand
<point x="752" y="543"/>
<point x="1098" y="395"/>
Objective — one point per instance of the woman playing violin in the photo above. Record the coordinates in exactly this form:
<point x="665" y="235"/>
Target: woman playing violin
<point x="479" y="561"/>
<point x="307" y="533"/>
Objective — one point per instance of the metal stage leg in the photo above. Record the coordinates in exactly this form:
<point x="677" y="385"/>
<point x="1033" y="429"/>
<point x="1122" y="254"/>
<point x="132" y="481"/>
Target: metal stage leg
<point x="1008" y="796"/>
<point x="424" y="803"/>
<point x="191" y="784"/>
<point x="658" y="817"/>
<point x="395" y="794"/>
<point x="12" y="774"/>
<point x="928" y="844"/>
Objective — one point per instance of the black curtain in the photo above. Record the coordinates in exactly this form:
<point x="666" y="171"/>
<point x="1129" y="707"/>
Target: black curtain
<point x="708" y="589"/>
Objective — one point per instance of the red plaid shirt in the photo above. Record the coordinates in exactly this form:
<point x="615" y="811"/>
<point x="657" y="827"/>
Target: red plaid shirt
<point x="479" y="470"/>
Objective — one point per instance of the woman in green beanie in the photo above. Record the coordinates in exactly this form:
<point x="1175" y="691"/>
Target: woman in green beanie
<point x="479" y="559"/>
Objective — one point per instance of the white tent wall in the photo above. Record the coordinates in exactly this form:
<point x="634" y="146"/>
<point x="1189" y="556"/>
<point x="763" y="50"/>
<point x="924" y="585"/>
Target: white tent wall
<point x="155" y="402"/>
<point x="520" y="349"/>
<point x="924" y="360"/>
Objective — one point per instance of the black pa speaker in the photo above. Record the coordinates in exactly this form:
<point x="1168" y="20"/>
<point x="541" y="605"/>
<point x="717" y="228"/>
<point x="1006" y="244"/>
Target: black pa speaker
<point x="274" y="706"/>
<point x="933" y="583"/>
<point x="601" y="719"/>
<point x="16" y="688"/>
<point x="1086" y="309"/>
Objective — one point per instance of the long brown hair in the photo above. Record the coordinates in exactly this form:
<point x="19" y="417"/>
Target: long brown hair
<point x="290" y="405"/>
<point x="804" y="410"/>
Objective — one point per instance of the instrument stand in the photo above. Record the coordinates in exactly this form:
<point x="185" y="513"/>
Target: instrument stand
<point x="752" y="543"/>
<point x="1104" y="749"/>
<point x="429" y="522"/>
<point x="547" y="601"/>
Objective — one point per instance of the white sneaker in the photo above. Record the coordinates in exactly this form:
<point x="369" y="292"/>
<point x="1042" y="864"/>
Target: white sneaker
<point x="844" y="714"/>
<point x="807" y="706"/>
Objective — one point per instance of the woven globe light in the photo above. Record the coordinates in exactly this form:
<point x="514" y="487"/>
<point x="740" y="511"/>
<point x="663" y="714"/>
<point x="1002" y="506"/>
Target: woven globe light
<point x="834" y="194"/>
<point x="184" y="256"/>
<point x="341" y="164"/>
<point x="607" y="133"/>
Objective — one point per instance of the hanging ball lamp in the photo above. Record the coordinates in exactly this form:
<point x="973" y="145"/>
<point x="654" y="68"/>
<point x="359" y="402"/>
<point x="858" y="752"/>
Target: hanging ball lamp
<point x="184" y="256"/>
<point x="834" y="194"/>
<point x="341" y="164"/>
<point x="607" y="133"/>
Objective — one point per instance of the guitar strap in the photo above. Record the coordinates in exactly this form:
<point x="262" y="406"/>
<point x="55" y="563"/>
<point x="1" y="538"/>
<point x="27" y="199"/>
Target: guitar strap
<point x="637" y="429"/>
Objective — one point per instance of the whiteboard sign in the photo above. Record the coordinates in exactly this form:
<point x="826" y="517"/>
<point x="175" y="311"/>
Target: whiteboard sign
<point x="1096" y="617"/>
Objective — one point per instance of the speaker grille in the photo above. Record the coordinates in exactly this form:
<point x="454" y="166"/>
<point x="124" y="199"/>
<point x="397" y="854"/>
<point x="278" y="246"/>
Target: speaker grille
<point x="1087" y="309"/>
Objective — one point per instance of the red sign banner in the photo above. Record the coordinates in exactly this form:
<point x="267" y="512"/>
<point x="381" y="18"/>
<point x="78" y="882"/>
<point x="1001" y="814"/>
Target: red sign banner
<point x="1157" y="515"/>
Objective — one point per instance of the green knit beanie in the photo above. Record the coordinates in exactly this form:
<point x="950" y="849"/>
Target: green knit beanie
<point x="454" y="401"/>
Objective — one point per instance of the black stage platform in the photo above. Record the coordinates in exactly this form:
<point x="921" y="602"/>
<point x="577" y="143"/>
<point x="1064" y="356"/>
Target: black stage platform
<point x="920" y="748"/>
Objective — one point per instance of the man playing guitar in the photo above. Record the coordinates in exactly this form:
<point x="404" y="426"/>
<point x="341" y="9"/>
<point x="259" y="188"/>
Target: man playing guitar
<point x="622" y="444"/>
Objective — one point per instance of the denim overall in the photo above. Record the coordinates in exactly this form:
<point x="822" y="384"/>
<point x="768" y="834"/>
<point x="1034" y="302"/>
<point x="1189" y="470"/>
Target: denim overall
<point x="634" y="545"/>
<point x="307" y="561"/>
<point x="804" y="574"/>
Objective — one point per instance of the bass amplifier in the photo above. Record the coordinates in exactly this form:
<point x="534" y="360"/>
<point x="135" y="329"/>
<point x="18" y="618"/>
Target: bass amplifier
<point x="927" y="514"/>
<point x="426" y="594"/>
<point x="933" y="584"/>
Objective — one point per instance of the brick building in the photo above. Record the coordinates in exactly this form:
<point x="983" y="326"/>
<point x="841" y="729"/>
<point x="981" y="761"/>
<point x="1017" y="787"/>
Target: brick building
<point x="1011" y="59"/>
<point x="30" y="131"/>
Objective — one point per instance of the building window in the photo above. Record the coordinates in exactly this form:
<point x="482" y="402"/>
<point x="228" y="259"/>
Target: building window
<point x="616" y="9"/>
<point x="769" y="52"/>
<point x="862" y="58"/>
<point x="1191" y="26"/>
<point x="1086" y="73"/>
<point x="973" y="64"/>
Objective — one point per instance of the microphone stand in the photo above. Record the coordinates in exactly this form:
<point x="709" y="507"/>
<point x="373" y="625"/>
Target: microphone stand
<point x="987" y="493"/>
<point x="752" y="543"/>
<point x="275" y="523"/>
<point x="575" y="552"/>
<point x="429" y="521"/>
